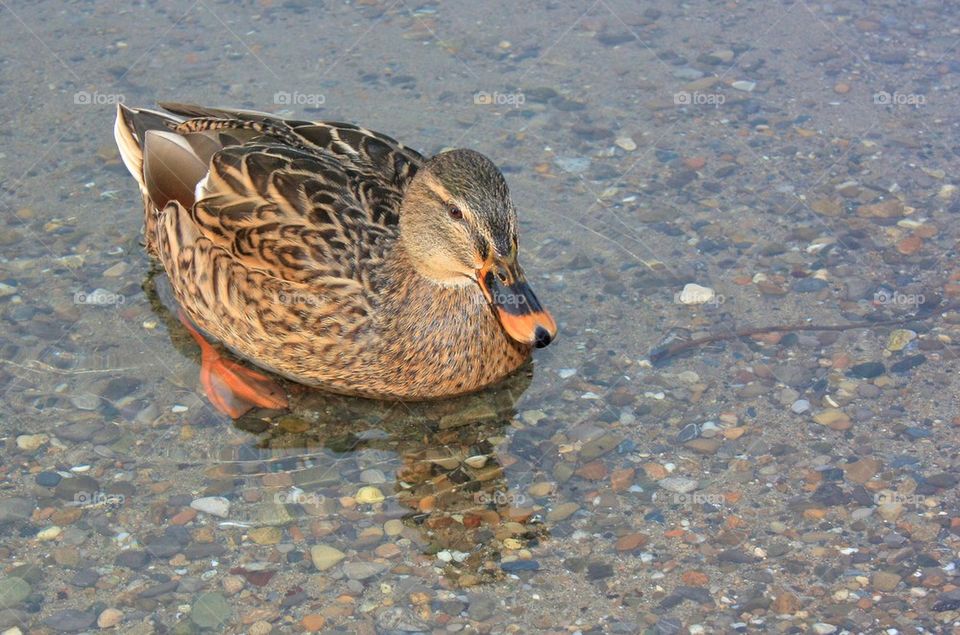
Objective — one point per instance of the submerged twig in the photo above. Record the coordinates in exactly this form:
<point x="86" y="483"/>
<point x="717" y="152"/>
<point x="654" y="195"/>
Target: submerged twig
<point x="37" y="366"/>
<point x="661" y="353"/>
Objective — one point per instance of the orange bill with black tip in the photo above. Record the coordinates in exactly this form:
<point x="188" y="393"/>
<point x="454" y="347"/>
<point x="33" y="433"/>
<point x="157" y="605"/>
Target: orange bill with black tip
<point x="519" y="311"/>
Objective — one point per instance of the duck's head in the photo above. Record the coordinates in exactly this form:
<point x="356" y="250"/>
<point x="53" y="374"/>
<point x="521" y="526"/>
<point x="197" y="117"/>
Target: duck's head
<point x="459" y="226"/>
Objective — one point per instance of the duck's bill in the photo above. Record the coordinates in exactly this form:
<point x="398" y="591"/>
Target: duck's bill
<point x="517" y="307"/>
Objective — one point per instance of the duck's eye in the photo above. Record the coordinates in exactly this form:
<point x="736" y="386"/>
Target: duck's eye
<point x="455" y="212"/>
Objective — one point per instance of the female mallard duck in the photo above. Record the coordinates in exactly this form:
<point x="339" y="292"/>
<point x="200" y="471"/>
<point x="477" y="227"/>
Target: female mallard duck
<point x="332" y="255"/>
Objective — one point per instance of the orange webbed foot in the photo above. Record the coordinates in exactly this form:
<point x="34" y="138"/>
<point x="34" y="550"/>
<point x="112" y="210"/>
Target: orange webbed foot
<point x="232" y="388"/>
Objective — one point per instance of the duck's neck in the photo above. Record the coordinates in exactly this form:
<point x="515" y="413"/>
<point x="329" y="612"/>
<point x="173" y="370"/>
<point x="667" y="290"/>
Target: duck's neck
<point x="415" y="257"/>
<point x="413" y="294"/>
<point x="447" y="333"/>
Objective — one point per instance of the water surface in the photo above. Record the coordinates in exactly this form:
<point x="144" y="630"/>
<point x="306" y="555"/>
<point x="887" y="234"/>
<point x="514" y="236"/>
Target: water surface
<point x="797" y="159"/>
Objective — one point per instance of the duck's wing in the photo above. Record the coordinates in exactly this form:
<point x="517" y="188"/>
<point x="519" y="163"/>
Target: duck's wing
<point x="258" y="219"/>
<point x="299" y="200"/>
<point x="380" y="157"/>
<point x="297" y="216"/>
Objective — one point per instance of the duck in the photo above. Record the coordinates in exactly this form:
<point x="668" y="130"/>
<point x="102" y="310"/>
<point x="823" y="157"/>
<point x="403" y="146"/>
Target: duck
<point x="330" y="255"/>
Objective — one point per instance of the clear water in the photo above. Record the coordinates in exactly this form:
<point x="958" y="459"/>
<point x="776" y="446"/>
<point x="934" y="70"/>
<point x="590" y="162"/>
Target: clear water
<point x="796" y="158"/>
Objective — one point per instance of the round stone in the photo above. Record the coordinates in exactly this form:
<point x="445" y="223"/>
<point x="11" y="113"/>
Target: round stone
<point x="13" y="591"/>
<point x="369" y="495"/>
<point x="325" y="557"/>
<point x="31" y="442"/>
<point x="109" y="618"/>
<point x="209" y="610"/>
<point x="393" y="527"/>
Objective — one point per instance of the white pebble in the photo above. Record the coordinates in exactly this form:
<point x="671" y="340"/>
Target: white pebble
<point x="30" y="442"/>
<point x="213" y="505"/>
<point x="696" y="294"/>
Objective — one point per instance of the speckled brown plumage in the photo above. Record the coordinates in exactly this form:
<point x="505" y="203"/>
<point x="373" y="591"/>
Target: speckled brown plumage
<point x="282" y="240"/>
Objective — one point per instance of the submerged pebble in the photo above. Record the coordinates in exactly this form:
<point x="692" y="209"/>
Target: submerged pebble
<point x="213" y="505"/>
<point x="679" y="484"/>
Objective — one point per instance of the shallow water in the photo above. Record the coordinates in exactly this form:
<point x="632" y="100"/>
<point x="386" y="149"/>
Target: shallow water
<point x="798" y="159"/>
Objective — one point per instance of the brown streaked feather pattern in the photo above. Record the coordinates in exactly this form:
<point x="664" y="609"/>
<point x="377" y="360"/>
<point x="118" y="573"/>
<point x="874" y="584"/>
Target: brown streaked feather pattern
<point x="289" y="254"/>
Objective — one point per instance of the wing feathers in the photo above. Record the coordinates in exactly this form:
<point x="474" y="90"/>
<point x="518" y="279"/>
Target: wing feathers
<point x="261" y="218"/>
<point x="171" y="169"/>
